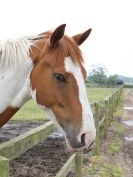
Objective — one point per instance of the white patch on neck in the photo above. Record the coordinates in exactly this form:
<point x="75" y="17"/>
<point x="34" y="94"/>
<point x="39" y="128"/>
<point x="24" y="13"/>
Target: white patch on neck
<point x="15" y="67"/>
<point x="87" y="116"/>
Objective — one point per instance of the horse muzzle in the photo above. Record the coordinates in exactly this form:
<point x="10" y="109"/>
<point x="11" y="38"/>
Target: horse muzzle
<point x="73" y="145"/>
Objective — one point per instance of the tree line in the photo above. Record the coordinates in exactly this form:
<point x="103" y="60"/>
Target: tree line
<point x="98" y="75"/>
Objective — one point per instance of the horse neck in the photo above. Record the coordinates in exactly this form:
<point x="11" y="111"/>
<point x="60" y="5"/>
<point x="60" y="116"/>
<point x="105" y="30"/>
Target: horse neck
<point x="7" y="114"/>
<point x="15" y="89"/>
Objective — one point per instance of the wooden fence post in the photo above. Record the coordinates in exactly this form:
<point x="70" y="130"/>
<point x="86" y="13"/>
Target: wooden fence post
<point x="4" y="167"/>
<point x="114" y="102"/>
<point x="110" y="110"/>
<point x="97" y="121"/>
<point x="78" y="163"/>
<point x="116" y="99"/>
<point x="119" y="94"/>
<point x="106" y="118"/>
<point x="113" y="105"/>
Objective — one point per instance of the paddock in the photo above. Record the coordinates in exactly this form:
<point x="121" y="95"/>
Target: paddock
<point x="9" y="150"/>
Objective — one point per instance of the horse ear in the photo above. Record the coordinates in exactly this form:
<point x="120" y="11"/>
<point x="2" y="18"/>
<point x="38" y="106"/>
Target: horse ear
<point x="57" y="35"/>
<point x="80" y="38"/>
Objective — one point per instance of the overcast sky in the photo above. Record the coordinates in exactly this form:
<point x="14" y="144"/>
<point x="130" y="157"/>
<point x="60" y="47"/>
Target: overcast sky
<point x="111" y="40"/>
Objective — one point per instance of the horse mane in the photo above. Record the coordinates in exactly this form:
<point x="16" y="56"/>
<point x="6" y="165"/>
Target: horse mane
<point x="66" y="47"/>
<point x="14" y="51"/>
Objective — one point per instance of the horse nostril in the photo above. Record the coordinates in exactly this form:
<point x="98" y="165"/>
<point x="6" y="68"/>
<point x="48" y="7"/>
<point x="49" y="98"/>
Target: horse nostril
<point x="83" y="139"/>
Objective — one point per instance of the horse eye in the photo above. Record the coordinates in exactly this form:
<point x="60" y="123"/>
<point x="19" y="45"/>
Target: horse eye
<point x="59" y="77"/>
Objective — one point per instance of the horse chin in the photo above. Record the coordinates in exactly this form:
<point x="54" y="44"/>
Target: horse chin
<point x="71" y="149"/>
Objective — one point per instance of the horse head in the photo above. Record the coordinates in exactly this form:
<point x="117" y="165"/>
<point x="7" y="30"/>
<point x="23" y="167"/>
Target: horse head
<point x="57" y="83"/>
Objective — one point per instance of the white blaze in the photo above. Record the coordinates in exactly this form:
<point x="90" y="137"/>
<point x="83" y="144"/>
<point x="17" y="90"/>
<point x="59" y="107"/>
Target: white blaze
<point x="87" y="116"/>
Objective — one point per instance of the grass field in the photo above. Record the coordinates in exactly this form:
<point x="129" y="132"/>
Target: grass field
<point x="97" y="94"/>
<point x="31" y="112"/>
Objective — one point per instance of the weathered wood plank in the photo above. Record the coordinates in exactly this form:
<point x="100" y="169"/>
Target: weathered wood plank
<point x="106" y="118"/>
<point x="79" y="163"/>
<point x="110" y="110"/>
<point x="20" y="144"/>
<point x="67" y="167"/>
<point x="4" y="167"/>
<point x="97" y="121"/>
<point x="101" y="121"/>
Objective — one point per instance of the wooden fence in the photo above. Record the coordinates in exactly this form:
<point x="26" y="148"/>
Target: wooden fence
<point x="103" y="113"/>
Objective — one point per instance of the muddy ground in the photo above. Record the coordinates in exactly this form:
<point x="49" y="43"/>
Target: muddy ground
<point x="43" y="160"/>
<point x="46" y="158"/>
<point x="127" y="153"/>
<point x="123" y="158"/>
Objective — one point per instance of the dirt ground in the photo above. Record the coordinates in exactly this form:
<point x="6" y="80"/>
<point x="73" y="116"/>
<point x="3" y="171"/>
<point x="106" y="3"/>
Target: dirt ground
<point x="46" y="158"/>
<point x="123" y="158"/>
<point x="43" y="160"/>
<point x="127" y="154"/>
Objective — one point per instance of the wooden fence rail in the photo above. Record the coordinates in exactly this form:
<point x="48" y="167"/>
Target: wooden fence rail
<point x="103" y="113"/>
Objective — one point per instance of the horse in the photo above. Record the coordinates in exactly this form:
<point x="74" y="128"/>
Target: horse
<point x="48" y="68"/>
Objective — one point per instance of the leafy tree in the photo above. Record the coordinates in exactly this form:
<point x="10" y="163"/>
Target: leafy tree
<point x="111" y="80"/>
<point x="98" y="74"/>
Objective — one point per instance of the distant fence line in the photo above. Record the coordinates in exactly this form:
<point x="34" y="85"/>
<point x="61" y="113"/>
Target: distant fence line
<point x="128" y="85"/>
<point x="103" y="113"/>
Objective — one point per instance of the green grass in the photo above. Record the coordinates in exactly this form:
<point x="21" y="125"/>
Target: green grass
<point x="100" y="166"/>
<point x="114" y="147"/>
<point x="120" y="110"/>
<point x="98" y="94"/>
<point x="30" y="111"/>
<point x="116" y="143"/>
<point x="97" y="167"/>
